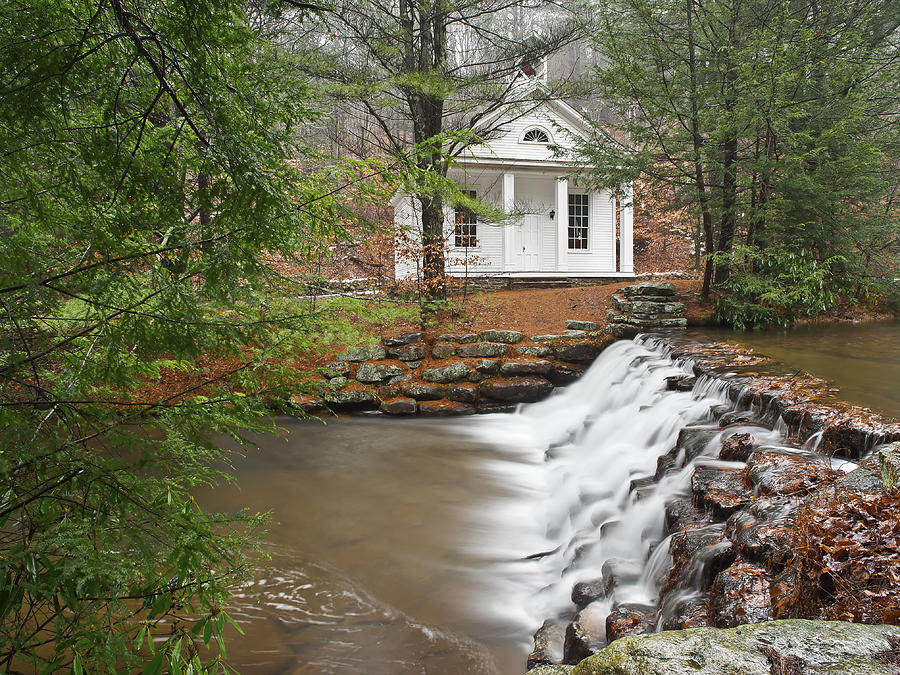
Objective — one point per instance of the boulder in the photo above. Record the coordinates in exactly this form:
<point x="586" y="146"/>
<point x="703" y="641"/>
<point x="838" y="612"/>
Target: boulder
<point x="443" y="350"/>
<point x="585" y="635"/>
<point x="511" y="368"/>
<point x="565" y="373"/>
<point x="401" y="340"/>
<point x="487" y="366"/>
<point x="399" y="406"/>
<point x="445" y="374"/>
<point x="651" y="288"/>
<point x="630" y="619"/>
<point x="482" y="350"/>
<point x="350" y="397"/>
<point x="684" y="610"/>
<point x="740" y="594"/>
<point x="407" y="353"/>
<point x="459" y="338"/>
<point x="421" y="391"/>
<point x="509" y="337"/>
<point x="336" y="369"/>
<point x="737" y="448"/>
<point x="580" y="351"/>
<point x="585" y="592"/>
<point x="462" y="393"/>
<point x="516" y="390"/>
<point x="548" y="645"/>
<point x="787" y="647"/>
<point x="540" y="351"/>
<point x="445" y="408"/>
<point x="370" y="373"/>
<point x="575" y="324"/>
<point x="363" y="353"/>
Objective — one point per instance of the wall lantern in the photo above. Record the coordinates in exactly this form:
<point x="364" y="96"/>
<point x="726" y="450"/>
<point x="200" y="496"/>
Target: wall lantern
<point x="552" y="213"/>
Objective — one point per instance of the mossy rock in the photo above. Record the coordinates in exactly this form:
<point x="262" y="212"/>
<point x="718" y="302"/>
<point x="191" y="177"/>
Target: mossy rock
<point x="810" y="647"/>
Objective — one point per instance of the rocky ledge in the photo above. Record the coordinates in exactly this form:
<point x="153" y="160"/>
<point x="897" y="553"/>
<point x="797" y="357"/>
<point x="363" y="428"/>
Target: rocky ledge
<point x="643" y="307"/>
<point x="454" y="373"/>
<point x="777" y="647"/>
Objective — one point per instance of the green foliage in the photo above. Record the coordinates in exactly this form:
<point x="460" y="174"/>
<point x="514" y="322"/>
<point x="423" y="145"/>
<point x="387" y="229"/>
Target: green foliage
<point x="775" y="286"/>
<point x="143" y="151"/>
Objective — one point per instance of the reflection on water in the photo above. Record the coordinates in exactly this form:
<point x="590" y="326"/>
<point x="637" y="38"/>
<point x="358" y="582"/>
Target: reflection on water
<point x="372" y="566"/>
<point x="863" y="360"/>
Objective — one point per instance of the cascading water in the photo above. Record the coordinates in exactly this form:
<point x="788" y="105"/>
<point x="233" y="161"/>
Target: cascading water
<point x="584" y="504"/>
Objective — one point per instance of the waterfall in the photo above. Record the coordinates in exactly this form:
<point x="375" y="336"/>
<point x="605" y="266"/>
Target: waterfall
<point x="584" y="503"/>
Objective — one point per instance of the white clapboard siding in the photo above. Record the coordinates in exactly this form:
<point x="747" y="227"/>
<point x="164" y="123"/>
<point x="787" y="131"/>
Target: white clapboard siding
<point x="504" y="141"/>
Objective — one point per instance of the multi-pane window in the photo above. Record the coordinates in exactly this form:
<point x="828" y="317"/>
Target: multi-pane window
<point x="578" y="221"/>
<point x="466" y="224"/>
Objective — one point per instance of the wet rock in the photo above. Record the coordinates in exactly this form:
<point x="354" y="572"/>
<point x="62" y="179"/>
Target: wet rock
<point x="421" y="391"/>
<point x="585" y="592"/>
<point x="463" y="393"/>
<point x="828" y="647"/>
<point x="443" y="350"/>
<point x="518" y="390"/>
<point x="642" y="486"/>
<point x="864" y="478"/>
<point x="371" y="373"/>
<point x="511" y="368"/>
<point x="617" y="572"/>
<point x="696" y="441"/>
<point x="564" y="373"/>
<point x="661" y="289"/>
<point x="540" y="351"/>
<point x="363" y="353"/>
<point x="336" y="369"/>
<point x="399" y="406"/>
<point x="401" y="340"/>
<point x="740" y="594"/>
<point x="460" y="338"/>
<point x="738" y="417"/>
<point x="446" y="374"/>
<point x="487" y="407"/>
<point x="684" y="610"/>
<point x="737" y="448"/>
<point x="630" y="619"/>
<point x="762" y="533"/>
<point x="585" y="635"/>
<point x="580" y="351"/>
<point x="445" y="408"/>
<point x="681" y="382"/>
<point x="682" y="513"/>
<point x="387" y="391"/>
<point x="779" y="472"/>
<point x="487" y="366"/>
<point x="548" y="645"/>
<point x="721" y="491"/>
<point x="575" y="324"/>
<point x="509" y="337"/>
<point x="482" y="350"/>
<point x="698" y="555"/>
<point x="667" y="462"/>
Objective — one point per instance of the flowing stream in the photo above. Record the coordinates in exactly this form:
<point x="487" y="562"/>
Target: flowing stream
<point x="440" y="546"/>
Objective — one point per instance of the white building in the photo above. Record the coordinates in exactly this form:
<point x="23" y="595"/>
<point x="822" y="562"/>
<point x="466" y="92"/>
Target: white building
<point x="560" y="228"/>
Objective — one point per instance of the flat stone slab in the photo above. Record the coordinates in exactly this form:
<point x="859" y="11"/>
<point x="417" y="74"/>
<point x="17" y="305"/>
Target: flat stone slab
<point x="446" y="374"/>
<point x="516" y="390"/>
<point x="660" y="288"/>
<point x="509" y="337"/>
<point x="460" y="338"/>
<point x="577" y="324"/>
<point x="482" y="350"/>
<point x="363" y="353"/>
<point x="808" y="647"/>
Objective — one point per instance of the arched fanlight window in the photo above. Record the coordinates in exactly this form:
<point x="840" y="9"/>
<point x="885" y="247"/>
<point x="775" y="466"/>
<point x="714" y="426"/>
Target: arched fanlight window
<point x="536" y="136"/>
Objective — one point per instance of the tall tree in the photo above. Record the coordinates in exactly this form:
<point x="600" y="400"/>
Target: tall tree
<point x="775" y="119"/>
<point x="424" y="76"/>
<point x="143" y="152"/>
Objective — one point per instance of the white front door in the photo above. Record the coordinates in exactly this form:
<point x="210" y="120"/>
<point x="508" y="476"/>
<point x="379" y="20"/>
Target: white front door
<point x="527" y="244"/>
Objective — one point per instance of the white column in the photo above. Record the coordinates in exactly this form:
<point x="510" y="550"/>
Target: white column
<point x="626" y="230"/>
<point x="562" y="223"/>
<point x="509" y="200"/>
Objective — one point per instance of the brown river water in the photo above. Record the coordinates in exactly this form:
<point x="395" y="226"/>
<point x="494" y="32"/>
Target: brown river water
<point x="398" y="546"/>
